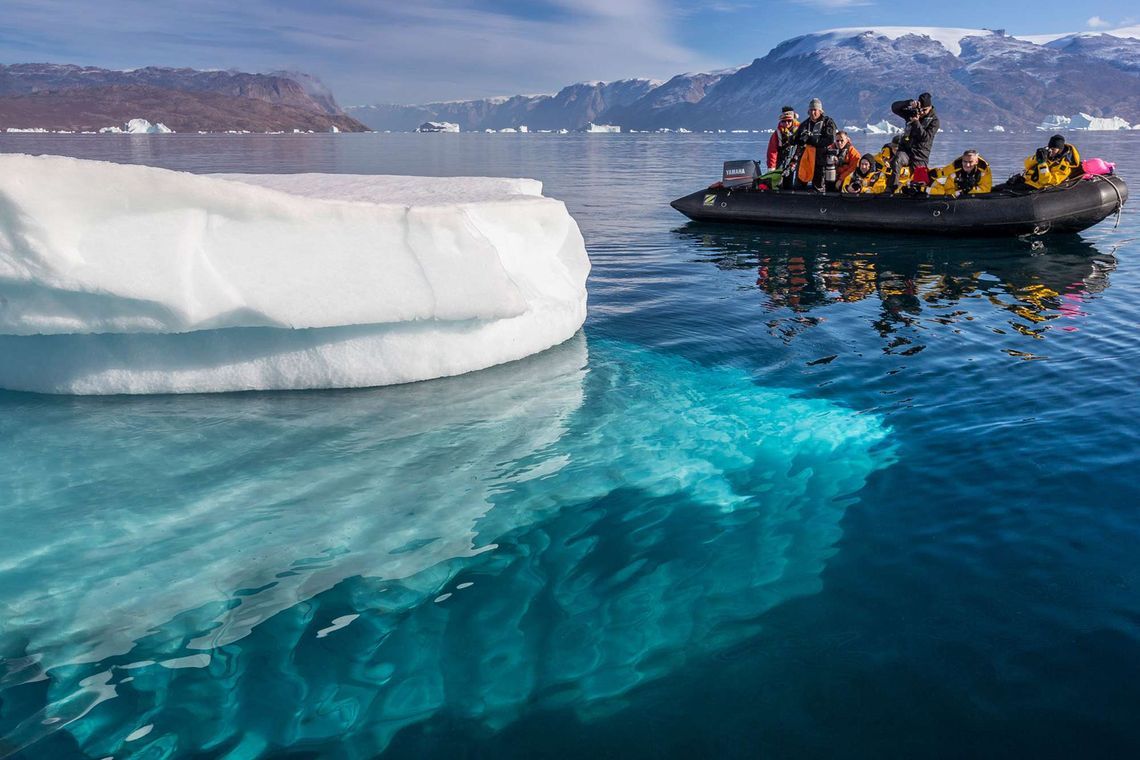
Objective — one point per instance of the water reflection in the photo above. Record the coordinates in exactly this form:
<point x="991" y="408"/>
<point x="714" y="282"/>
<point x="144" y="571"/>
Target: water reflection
<point x="1040" y="286"/>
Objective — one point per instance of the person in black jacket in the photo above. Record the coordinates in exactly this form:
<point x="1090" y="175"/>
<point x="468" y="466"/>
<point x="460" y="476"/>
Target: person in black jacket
<point x="917" y="136"/>
<point x="812" y="138"/>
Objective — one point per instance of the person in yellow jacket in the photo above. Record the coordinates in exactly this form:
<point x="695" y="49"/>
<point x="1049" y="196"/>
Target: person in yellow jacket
<point x="969" y="174"/>
<point x="1052" y="164"/>
<point x="883" y="164"/>
<point x="867" y="178"/>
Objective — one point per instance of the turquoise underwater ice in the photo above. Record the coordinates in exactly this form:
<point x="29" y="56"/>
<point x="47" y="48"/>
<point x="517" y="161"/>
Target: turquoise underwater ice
<point x="250" y="572"/>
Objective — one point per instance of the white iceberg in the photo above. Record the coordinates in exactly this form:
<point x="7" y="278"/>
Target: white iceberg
<point x="997" y="128"/>
<point x="144" y="127"/>
<point x="130" y="279"/>
<point x="883" y="127"/>
<point x="602" y="128"/>
<point x="437" y="126"/>
<point x="1084" y="122"/>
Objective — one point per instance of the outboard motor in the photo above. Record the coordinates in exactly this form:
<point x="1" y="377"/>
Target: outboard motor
<point x="739" y="174"/>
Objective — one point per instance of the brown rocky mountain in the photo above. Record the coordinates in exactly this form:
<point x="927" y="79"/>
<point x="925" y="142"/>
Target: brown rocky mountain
<point x="84" y="98"/>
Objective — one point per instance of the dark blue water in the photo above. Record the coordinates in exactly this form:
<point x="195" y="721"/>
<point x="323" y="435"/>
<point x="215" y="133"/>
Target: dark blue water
<point x="789" y="494"/>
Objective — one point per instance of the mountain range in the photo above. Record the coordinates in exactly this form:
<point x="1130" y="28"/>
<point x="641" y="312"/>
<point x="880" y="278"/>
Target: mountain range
<point x="980" y="78"/>
<point x="85" y="98"/>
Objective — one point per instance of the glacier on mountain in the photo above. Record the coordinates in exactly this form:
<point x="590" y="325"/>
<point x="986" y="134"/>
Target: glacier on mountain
<point x="129" y="279"/>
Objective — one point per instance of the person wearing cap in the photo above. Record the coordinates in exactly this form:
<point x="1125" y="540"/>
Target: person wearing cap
<point x="1052" y="164"/>
<point x="969" y="174"/>
<point x="780" y="143"/>
<point x="812" y="139"/>
<point x="867" y="178"/>
<point x="917" y="136"/>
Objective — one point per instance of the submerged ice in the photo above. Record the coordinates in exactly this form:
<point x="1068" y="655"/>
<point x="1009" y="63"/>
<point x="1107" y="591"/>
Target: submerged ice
<point x="549" y="532"/>
<point x="129" y="279"/>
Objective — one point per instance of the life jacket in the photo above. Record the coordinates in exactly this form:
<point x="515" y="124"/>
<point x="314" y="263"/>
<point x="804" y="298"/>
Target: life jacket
<point x="785" y="131"/>
<point x="1053" y="171"/>
<point x="883" y="162"/>
<point x="872" y="181"/>
<point x="953" y="180"/>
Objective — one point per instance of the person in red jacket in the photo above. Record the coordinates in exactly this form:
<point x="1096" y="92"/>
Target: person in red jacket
<point x="842" y="158"/>
<point x="780" y="143"/>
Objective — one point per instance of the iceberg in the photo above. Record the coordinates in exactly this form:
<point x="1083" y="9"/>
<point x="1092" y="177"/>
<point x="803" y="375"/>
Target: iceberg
<point x="437" y="126"/>
<point x="718" y="498"/>
<point x="602" y="128"/>
<point x="179" y="283"/>
<point x="1084" y="122"/>
<point x="883" y="127"/>
<point x="144" y="127"/>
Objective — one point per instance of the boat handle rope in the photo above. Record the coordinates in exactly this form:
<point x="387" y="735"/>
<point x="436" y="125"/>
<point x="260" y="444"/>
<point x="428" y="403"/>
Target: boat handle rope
<point x="1119" y="200"/>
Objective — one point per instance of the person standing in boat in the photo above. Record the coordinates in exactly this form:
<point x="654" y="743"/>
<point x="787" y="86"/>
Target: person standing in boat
<point x="917" y="137"/>
<point x="842" y="158"/>
<point x="1053" y="164"/>
<point x="811" y="140"/>
<point x="867" y="178"/>
<point x="969" y="174"/>
<point x="780" y="143"/>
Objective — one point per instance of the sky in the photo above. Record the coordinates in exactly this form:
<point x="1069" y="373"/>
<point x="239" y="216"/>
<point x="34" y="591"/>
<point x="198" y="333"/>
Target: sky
<point x="419" y="51"/>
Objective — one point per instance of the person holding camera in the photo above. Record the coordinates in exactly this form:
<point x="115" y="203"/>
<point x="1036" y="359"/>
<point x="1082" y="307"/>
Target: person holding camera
<point x="842" y="158"/>
<point x="1052" y="165"/>
<point x="866" y="178"/>
<point x="969" y="174"/>
<point x="917" y="137"/>
<point x="894" y="166"/>
<point x="812" y="139"/>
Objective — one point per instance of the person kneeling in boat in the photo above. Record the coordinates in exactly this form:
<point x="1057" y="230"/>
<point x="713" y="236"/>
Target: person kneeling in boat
<point x="886" y="164"/>
<point x="969" y="174"/>
<point x="842" y="158"/>
<point x="867" y="178"/>
<point x="1052" y="164"/>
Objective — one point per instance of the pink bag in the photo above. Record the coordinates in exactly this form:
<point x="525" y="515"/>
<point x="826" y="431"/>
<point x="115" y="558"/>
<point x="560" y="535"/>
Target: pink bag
<point x="1097" y="166"/>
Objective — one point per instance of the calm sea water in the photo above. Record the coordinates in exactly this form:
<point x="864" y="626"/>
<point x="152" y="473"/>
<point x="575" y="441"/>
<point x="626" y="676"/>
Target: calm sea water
<point x="789" y="494"/>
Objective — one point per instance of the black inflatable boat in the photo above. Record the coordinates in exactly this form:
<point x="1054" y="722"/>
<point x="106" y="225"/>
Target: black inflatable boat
<point x="1070" y="207"/>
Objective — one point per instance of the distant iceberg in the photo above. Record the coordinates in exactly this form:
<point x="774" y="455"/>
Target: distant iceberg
<point x="997" y="128"/>
<point x="883" y="127"/>
<point x="174" y="283"/>
<point x="602" y="128"/>
<point x="437" y="126"/>
<point x="1083" y="121"/>
<point x="144" y="127"/>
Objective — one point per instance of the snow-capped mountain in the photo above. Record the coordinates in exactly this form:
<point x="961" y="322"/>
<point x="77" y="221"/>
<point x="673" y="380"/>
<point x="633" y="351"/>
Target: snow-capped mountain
<point x="979" y="77"/>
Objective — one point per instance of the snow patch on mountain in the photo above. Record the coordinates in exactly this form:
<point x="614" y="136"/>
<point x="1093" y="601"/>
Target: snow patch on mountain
<point x="947" y="37"/>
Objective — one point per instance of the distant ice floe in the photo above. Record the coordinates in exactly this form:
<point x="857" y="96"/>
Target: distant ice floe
<point x="1083" y="121"/>
<point x="130" y="279"/>
<point x="883" y="127"/>
<point x="602" y="128"/>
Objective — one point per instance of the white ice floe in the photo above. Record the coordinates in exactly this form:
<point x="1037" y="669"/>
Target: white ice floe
<point x="997" y="128"/>
<point x="1083" y="121"/>
<point x="602" y="128"/>
<point x="129" y="279"/>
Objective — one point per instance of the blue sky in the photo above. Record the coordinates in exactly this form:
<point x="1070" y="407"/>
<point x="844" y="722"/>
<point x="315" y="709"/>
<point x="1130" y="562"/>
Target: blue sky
<point x="371" y="51"/>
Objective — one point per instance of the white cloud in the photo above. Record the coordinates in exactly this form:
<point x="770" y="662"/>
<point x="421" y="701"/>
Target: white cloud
<point x="1096" y="22"/>
<point x="365" y="51"/>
